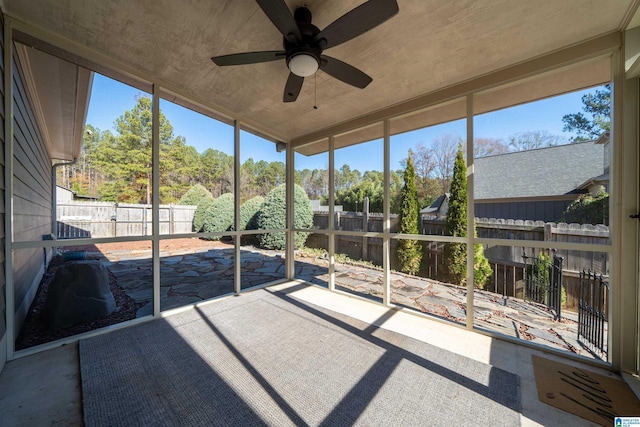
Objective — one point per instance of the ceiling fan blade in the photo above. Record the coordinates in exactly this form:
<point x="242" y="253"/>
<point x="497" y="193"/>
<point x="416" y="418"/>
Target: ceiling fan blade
<point x="278" y="12"/>
<point x="357" y="21"/>
<point x="292" y="88"/>
<point x="249" y="57"/>
<point x="344" y="72"/>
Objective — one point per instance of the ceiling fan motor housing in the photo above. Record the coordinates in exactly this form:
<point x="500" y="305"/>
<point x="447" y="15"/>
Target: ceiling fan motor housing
<point x="302" y="16"/>
<point x="305" y="51"/>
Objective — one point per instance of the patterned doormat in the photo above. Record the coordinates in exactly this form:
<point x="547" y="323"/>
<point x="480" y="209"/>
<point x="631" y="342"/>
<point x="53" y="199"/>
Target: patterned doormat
<point x="592" y="396"/>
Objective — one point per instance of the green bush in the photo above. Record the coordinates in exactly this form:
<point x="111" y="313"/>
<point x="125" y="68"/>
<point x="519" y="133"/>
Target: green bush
<point x="588" y="209"/>
<point x="538" y="273"/>
<point x="200" y="197"/>
<point x="195" y="195"/>
<point x="219" y="215"/>
<point x="200" y="214"/>
<point x="249" y="213"/>
<point x="481" y="268"/>
<point x="272" y="215"/>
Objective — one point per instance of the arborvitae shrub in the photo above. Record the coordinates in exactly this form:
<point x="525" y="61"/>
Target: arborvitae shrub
<point x="219" y="215"/>
<point x="409" y="251"/>
<point x="272" y="215"/>
<point x="455" y="254"/>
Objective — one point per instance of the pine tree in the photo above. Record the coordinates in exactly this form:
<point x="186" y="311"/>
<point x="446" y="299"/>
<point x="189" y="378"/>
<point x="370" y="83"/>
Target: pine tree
<point x="125" y="158"/>
<point x="597" y="106"/>
<point x="455" y="254"/>
<point x="409" y="251"/>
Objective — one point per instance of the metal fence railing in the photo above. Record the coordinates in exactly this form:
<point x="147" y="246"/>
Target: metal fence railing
<point x="543" y="281"/>
<point x="592" y="310"/>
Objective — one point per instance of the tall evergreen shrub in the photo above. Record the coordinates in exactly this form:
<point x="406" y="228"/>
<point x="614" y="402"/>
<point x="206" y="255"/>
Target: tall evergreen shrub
<point x="455" y="254"/>
<point x="409" y="251"/>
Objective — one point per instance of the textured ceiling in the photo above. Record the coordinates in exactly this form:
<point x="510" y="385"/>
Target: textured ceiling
<point x="427" y="46"/>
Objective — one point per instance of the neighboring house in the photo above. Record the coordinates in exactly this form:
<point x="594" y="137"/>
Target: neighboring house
<point x="64" y="194"/>
<point x="539" y="184"/>
<point x="317" y="207"/>
<point x="438" y="208"/>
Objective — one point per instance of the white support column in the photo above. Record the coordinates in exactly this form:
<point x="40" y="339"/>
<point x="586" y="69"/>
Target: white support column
<point x="629" y="228"/>
<point x="237" y="278"/>
<point x="331" y="238"/>
<point x="386" y="212"/>
<point x="289" y="257"/>
<point x="470" y="212"/>
<point x="155" y="198"/>
<point x="623" y="302"/>
<point x="8" y="186"/>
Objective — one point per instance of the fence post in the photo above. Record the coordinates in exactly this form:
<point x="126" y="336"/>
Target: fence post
<point x="144" y="220"/>
<point x="114" y="220"/>
<point x="556" y="284"/>
<point x="365" y="228"/>
<point x="172" y="226"/>
<point x="548" y="232"/>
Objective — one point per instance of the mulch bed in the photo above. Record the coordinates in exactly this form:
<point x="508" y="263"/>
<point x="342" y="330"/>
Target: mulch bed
<point x="34" y="332"/>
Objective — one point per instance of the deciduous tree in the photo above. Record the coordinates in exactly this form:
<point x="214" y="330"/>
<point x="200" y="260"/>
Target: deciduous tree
<point x="531" y="140"/>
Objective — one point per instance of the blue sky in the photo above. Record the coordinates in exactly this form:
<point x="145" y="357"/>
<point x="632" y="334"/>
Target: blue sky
<point x="110" y="99"/>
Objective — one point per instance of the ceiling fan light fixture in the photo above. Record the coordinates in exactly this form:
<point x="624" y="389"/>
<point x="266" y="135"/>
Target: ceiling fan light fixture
<point x="303" y="64"/>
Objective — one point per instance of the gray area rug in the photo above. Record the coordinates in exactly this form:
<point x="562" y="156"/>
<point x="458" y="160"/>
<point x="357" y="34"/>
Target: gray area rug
<point x="266" y="358"/>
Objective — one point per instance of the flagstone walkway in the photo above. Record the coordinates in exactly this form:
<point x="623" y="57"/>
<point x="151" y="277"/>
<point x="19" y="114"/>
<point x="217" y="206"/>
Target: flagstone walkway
<point x="189" y="276"/>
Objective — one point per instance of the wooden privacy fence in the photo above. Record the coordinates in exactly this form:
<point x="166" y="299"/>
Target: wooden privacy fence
<point x="507" y="262"/>
<point x="104" y="219"/>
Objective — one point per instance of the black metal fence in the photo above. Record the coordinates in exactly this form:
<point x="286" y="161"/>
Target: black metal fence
<point x="543" y="281"/>
<point x="592" y="310"/>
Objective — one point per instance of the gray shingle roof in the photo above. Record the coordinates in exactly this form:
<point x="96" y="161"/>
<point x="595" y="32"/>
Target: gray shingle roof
<point x="549" y="171"/>
<point x="435" y="206"/>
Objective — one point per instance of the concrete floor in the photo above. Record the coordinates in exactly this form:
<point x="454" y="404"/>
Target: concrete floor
<point x="44" y="389"/>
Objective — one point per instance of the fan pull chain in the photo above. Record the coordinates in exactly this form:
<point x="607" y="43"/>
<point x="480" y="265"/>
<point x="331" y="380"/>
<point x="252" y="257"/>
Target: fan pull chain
<point x="315" y="91"/>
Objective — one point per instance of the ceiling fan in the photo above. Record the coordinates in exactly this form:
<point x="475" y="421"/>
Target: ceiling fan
<point x="304" y="42"/>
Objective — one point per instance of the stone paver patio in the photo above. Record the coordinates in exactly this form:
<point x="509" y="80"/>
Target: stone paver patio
<point x="189" y="276"/>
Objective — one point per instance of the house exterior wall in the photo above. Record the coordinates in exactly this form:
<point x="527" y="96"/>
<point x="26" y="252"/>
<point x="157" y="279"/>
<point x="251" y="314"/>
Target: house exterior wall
<point x="547" y="211"/>
<point x="31" y="197"/>
<point x="3" y="287"/>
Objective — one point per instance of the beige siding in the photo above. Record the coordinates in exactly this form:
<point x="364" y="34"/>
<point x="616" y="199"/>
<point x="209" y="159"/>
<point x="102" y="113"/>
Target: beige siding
<point x="31" y="196"/>
<point x="3" y="305"/>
